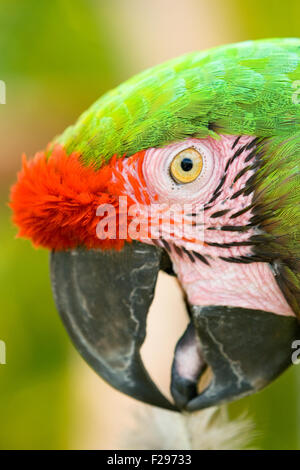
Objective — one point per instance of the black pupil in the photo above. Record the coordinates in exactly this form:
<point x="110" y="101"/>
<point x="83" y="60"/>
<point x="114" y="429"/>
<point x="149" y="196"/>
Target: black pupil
<point x="186" y="164"/>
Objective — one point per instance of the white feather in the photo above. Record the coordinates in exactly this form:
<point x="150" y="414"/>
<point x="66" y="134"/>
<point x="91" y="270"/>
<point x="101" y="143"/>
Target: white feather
<point x="211" y="429"/>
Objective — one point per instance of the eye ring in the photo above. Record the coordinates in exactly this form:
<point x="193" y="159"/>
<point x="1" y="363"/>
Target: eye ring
<point x="186" y="166"/>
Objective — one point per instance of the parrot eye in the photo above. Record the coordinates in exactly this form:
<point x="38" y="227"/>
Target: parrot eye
<point x="186" y="166"/>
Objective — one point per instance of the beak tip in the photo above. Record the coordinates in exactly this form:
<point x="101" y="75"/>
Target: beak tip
<point x="106" y="330"/>
<point x="245" y="350"/>
<point x="183" y="392"/>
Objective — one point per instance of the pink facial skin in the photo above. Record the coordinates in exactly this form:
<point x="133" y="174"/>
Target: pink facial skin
<point x="211" y="279"/>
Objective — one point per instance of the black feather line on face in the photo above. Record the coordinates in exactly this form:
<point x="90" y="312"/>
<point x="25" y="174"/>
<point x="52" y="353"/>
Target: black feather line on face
<point x="178" y="250"/>
<point x="230" y="245"/>
<point x="238" y="153"/>
<point x="257" y="219"/>
<point x="219" y="213"/>
<point x="222" y="181"/>
<point x="262" y="239"/>
<point x="246" y="259"/>
<point x="241" y="212"/>
<point x="234" y="228"/>
<point x="249" y="190"/>
<point x="231" y="160"/>
<point x="230" y="259"/>
<point x="227" y="165"/>
<point x="166" y="245"/>
<point x="237" y="193"/>
<point x="256" y="164"/>
<point x="250" y="156"/>
<point x="252" y="143"/>
<point x="189" y="254"/>
<point x="235" y="142"/>
<point x="241" y="173"/>
<point x="201" y="257"/>
<point x="214" y="198"/>
<point x="250" y="181"/>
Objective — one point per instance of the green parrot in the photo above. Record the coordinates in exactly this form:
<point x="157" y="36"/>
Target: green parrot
<point x="191" y="167"/>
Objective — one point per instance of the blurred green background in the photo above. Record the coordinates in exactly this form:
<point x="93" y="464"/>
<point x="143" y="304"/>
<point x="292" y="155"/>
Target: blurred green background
<point x="56" y="58"/>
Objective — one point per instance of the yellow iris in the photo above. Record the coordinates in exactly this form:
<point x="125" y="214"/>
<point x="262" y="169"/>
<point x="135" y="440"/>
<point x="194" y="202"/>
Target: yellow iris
<point x="186" y="166"/>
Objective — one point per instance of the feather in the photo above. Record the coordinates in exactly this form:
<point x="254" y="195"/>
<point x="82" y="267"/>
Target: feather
<point x="239" y="89"/>
<point x="210" y="429"/>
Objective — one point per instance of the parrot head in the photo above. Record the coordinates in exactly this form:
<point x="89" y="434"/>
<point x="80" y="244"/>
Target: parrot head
<point x="191" y="167"/>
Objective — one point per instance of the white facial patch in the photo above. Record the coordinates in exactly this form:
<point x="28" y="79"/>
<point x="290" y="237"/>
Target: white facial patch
<point x="156" y="169"/>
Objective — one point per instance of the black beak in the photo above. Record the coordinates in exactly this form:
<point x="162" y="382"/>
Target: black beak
<point x="103" y="298"/>
<point x="243" y="349"/>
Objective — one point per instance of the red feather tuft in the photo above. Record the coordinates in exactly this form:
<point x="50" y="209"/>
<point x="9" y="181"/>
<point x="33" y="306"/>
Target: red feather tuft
<point x="55" y="200"/>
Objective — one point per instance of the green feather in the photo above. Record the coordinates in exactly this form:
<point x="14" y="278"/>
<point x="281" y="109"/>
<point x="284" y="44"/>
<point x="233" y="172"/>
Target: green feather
<point x="242" y="88"/>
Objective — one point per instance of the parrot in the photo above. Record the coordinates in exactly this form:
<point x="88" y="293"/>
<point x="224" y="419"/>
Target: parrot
<point x="211" y="141"/>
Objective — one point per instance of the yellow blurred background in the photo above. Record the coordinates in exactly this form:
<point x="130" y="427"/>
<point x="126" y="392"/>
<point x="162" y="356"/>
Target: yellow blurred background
<point x="56" y="58"/>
